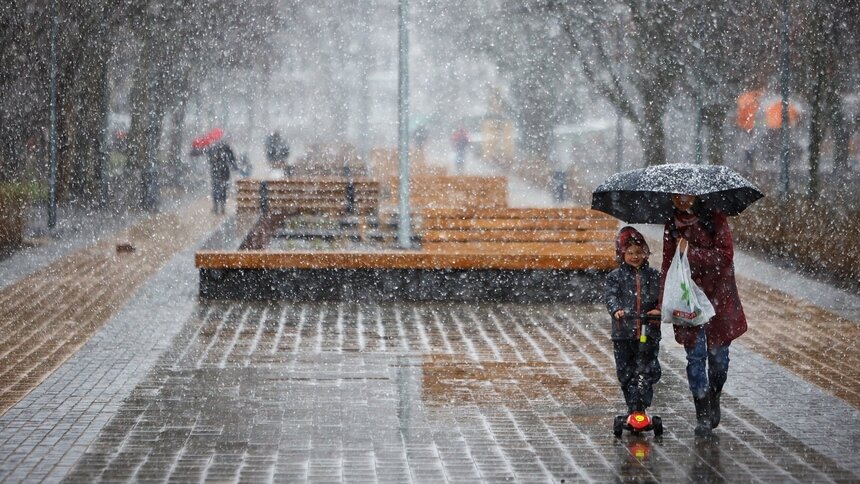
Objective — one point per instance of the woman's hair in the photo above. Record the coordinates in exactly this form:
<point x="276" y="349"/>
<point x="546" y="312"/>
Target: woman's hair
<point x="705" y="212"/>
<point x="702" y="209"/>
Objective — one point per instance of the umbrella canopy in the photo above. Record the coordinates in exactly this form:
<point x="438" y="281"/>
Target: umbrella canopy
<point x="202" y="142"/>
<point x="644" y="195"/>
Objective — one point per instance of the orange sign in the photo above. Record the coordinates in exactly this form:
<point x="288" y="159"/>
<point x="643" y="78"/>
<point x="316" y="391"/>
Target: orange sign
<point x="773" y="115"/>
<point x="748" y="103"/>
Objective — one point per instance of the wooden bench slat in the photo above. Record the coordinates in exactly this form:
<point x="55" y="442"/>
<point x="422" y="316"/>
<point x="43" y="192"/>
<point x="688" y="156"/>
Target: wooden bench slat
<point x="513" y="213"/>
<point x="507" y="248"/>
<point x="517" y="224"/>
<point x="305" y="198"/>
<point x="308" y="181"/>
<point x="401" y="260"/>
<point x="517" y="235"/>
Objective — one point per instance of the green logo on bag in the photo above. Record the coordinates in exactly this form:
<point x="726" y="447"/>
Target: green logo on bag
<point x="685" y="293"/>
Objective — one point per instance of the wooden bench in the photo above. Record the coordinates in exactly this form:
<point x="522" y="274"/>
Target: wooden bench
<point x="577" y="258"/>
<point x="309" y="196"/>
<point x="576" y="276"/>
<point x="513" y="231"/>
<point x="472" y="252"/>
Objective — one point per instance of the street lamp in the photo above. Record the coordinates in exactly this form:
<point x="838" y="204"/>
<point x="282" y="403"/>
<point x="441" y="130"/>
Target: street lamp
<point x="52" y="136"/>
<point x="784" y="80"/>
<point x="405" y="226"/>
<point x="619" y="117"/>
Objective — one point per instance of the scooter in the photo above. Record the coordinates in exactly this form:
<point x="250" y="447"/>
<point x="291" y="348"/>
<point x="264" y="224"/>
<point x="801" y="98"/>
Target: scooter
<point x="638" y="421"/>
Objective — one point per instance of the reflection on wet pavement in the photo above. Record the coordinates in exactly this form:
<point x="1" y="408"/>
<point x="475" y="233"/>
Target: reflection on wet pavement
<point x="418" y="392"/>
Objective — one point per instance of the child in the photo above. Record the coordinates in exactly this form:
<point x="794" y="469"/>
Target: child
<point x="632" y="292"/>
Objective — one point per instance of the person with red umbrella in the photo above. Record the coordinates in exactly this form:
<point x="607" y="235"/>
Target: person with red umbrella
<point x="221" y="160"/>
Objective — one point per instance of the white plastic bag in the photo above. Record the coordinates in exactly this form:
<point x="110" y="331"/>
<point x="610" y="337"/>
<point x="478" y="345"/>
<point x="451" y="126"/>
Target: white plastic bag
<point x="684" y="303"/>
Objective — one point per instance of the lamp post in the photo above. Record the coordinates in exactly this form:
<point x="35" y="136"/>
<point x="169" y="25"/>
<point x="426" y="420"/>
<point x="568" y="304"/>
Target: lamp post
<point x="784" y="80"/>
<point x="405" y="226"/>
<point x="619" y="118"/>
<point x="52" y="136"/>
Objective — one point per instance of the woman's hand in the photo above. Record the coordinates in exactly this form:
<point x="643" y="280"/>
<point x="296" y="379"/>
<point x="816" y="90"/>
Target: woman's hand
<point x="682" y="244"/>
<point x="654" y="312"/>
<point x="619" y="314"/>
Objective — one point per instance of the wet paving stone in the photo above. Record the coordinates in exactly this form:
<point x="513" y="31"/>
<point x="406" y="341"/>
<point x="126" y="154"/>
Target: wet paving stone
<point x="420" y="393"/>
<point x="47" y="316"/>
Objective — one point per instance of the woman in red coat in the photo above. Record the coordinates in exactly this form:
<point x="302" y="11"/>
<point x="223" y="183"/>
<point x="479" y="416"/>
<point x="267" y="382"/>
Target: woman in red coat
<point x="705" y="238"/>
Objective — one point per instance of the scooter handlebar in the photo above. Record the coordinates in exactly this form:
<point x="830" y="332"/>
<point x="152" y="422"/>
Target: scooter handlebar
<point x="643" y="316"/>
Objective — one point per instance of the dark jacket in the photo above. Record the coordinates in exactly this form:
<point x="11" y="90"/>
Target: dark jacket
<point x="636" y="291"/>
<point x="277" y="148"/>
<point x="221" y="161"/>
<point x="711" y="254"/>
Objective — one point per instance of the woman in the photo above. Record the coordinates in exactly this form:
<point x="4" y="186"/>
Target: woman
<point x="704" y="237"/>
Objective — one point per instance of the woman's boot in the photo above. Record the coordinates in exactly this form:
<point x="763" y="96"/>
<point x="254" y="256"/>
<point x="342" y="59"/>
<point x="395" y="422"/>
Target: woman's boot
<point x="715" y="407"/>
<point x="703" y="416"/>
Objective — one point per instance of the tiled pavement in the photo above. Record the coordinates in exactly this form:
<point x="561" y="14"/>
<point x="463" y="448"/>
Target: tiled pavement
<point x="48" y="314"/>
<point x="173" y="388"/>
<point x="423" y="392"/>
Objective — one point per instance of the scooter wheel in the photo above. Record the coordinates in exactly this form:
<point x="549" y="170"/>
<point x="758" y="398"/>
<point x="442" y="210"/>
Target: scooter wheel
<point x="618" y="426"/>
<point x="657" y="422"/>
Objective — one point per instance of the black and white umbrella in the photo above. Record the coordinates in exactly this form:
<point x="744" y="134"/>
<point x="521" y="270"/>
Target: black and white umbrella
<point x="643" y="195"/>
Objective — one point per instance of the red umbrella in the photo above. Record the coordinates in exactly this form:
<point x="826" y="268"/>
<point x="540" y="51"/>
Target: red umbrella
<point x="202" y="142"/>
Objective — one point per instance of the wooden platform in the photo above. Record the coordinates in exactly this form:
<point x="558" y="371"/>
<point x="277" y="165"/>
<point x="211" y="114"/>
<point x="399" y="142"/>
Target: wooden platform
<point x="468" y="247"/>
<point x="569" y="272"/>
<point x="576" y="257"/>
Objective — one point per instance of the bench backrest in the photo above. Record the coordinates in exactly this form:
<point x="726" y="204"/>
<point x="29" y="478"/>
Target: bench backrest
<point x="520" y="228"/>
<point x="309" y="196"/>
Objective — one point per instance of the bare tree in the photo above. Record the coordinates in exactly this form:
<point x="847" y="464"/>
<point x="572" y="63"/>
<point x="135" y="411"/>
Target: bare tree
<point x="628" y="51"/>
<point x="828" y="46"/>
<point x="23" y="82"/>
<point x="726" y="47"/>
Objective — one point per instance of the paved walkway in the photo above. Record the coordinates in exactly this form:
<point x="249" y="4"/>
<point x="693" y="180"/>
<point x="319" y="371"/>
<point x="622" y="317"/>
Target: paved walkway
<point x="46" y="315"/>
<point x="169" y="387"/>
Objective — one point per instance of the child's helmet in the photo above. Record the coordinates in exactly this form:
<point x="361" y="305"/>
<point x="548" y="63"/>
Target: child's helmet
<point x="628" y="236"/>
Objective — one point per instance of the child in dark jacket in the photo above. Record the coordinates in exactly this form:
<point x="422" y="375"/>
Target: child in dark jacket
<point x="631" y="293"/>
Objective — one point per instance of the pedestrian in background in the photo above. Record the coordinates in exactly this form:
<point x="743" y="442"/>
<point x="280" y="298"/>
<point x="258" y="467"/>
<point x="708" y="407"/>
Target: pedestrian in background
<point x="278" y="152"/>
<point x="221" y="162"/>
<point x="460" y="141"/>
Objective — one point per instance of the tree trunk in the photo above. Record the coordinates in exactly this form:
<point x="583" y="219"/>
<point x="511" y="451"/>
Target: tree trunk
<point x="838" y="63"/>
<point x="714" y="118"/>
<point x="839" y="129"/>
<point x="138" y="127"/>
<point x="816" y="127"/>
<point x="652" y="135"/>
<point x="65" y="107"/>
<point x="88" y="125"/>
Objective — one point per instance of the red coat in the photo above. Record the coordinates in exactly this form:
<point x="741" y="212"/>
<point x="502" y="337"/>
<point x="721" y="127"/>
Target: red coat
<point x="713" y="269"/>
